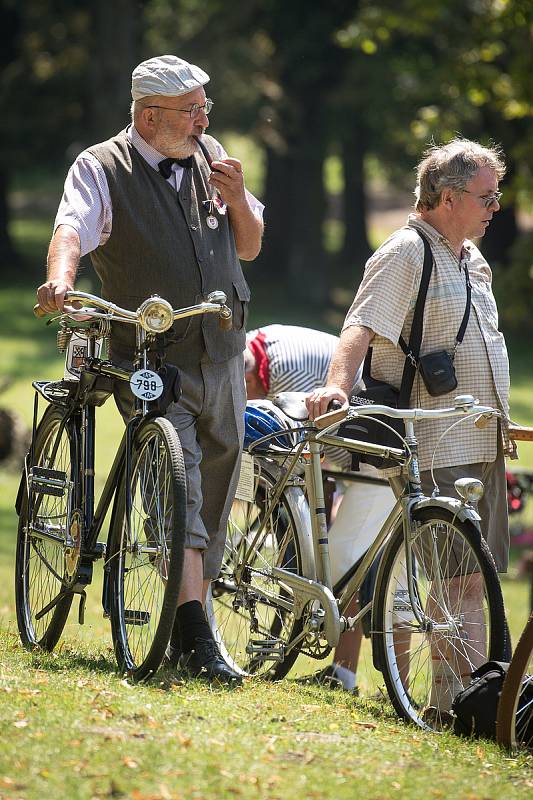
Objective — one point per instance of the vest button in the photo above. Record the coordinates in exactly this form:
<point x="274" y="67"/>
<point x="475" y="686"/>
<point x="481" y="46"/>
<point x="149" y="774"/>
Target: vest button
<point x="193" y="228"/>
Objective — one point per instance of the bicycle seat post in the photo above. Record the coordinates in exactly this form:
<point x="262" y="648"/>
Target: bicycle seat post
<point x="318" y="513"/>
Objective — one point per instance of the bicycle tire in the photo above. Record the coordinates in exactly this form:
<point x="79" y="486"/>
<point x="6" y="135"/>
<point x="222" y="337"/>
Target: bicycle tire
<point x="145" y="563"/>
<point x="234" y="601"/>
<point x="425" y="669"/>
<point x="514" y="722"/>
<point x="40" y="561"/>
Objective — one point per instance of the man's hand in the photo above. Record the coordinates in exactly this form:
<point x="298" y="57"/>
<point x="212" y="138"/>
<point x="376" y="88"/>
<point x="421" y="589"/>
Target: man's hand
<point x="51" y="295"/>
<point x="318" y="400"/>
<point x="227" y="177"/>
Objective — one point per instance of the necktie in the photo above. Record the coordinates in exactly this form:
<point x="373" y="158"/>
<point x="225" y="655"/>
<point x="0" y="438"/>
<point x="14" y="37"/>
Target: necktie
<point x="165" y="166"/>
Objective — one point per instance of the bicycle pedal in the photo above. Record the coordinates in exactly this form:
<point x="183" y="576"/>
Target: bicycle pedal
<point x="266" y="649"/>
<point x="136" y="617"/>
<point x="48" y="481"/>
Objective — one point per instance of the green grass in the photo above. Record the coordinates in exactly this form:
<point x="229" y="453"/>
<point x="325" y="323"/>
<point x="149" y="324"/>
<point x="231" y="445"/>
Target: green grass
<point x="74" y="728"/>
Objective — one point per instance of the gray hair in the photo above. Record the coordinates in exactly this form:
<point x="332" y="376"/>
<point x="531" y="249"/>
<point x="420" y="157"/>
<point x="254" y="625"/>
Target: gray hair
<point x="138" y="105"/>
<point x="452" y="166"/>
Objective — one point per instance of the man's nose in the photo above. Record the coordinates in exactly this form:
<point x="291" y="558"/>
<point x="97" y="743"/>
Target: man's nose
<point x="202" y="119"/>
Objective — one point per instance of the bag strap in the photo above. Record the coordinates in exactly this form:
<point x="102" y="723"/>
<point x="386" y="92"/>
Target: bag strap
<point x="412" y="350"/>
<point x="415" y="339"/>
<point x="462" y="329"/>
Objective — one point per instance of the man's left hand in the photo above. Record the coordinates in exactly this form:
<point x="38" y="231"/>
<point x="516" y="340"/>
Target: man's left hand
<point x="227" y="177"/>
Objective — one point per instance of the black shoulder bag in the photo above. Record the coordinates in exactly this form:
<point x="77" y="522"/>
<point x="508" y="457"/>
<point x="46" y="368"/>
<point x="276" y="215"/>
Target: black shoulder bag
<point x="381" y="393"/>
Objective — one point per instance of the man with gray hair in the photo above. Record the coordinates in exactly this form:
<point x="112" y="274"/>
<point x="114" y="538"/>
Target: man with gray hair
<point x="162" y="209"/>
<point x="456" y="197"/>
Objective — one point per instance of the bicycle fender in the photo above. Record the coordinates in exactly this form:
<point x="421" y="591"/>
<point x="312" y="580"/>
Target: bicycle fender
<point x="302" y="518"/>
<point x="463" y="512"/>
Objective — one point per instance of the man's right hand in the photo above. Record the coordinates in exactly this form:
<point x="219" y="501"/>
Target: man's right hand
<point x="51" y="295"/>
<point x="318" y="400"/>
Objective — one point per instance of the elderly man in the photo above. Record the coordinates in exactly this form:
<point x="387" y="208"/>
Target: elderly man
<point x="456" y="197"/>
<point x="162" y="209"/>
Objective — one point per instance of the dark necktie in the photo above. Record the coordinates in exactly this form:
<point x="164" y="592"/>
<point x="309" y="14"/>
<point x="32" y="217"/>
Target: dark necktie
<point x="165" y="166"/>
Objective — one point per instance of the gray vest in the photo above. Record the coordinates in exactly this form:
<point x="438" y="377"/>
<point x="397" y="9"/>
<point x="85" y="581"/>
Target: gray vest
<point x="160" y="244"/>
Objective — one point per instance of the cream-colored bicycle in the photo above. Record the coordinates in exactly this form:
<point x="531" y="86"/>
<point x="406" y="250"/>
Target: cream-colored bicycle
<point x="437" y="609"/>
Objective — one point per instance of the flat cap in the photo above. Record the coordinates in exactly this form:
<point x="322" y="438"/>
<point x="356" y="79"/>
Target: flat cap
<point x="166" y="75"/>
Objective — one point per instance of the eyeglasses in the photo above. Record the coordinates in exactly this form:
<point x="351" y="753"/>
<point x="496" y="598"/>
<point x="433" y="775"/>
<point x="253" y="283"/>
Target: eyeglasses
<point x="488" y="200"/>
<point x="193" y="111"/>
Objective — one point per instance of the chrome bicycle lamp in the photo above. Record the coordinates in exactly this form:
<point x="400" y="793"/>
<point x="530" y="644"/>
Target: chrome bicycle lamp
<point x="470" y="490"/>
<point x="156" y="315"/>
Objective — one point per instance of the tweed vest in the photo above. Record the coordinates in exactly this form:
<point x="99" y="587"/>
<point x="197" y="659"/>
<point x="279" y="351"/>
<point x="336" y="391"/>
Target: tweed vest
<point x="160" y="244"/>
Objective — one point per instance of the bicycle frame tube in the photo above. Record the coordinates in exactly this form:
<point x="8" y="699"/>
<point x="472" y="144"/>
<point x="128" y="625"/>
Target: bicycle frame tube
<point x="319" y="527"/>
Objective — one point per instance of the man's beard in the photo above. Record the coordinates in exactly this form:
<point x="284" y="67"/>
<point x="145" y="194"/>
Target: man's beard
<point x="167" y="146"/>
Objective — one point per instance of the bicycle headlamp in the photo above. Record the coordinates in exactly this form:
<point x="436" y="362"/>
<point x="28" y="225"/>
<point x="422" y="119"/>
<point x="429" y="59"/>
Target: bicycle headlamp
<point x="470" y="490"/>
<point x="155" y="315"/>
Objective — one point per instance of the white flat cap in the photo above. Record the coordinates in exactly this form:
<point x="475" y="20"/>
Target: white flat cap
<point x="166" y="75"/>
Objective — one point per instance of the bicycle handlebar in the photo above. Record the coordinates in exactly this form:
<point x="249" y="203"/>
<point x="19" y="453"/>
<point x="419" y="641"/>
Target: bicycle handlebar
<point x="216" y="303"/>
<point x="463" y="404"/>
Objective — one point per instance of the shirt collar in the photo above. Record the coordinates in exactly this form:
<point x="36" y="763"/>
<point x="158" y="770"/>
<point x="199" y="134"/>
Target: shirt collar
<point x="414" y="221"/>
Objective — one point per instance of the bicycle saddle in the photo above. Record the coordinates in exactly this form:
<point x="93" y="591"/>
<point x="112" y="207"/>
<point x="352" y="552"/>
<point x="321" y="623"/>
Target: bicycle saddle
<point x="292" y="404"/>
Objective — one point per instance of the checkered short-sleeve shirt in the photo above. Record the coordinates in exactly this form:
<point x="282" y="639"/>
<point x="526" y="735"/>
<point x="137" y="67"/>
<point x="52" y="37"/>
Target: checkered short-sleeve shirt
<point x="385" y="303"/>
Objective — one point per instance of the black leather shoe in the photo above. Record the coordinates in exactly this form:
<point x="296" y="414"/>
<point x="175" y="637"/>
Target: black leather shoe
<point x="205" y="661"/>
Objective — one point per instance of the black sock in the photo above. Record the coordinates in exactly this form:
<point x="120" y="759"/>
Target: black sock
<point x="192" y="625"/>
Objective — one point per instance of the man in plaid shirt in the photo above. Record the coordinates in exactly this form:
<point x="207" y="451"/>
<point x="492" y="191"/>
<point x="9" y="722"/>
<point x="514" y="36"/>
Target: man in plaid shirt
<point x="456" y="197"/>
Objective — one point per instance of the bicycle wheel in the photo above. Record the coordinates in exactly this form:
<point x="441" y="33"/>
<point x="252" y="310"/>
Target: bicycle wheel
<point x="514" y="723"/>
<point x="145" y="554"/>
<point x="248" y="610"/>
<point x="42" y="555"/>
<point x="457" y="591"/>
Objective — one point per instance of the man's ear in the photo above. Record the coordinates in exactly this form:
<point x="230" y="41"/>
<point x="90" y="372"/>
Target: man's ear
<point x="447" y="199"/>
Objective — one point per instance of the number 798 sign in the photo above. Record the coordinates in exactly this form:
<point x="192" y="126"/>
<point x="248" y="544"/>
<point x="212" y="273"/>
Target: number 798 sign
<point x="146" y="385"/>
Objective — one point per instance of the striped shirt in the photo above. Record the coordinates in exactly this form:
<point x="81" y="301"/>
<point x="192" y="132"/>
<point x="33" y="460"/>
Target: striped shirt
<point x="298" y="358"/>
<point x="86" y="202"/>
<point x="385" y="303"/>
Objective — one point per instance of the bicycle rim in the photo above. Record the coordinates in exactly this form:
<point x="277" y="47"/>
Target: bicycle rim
<point x="458" y="594"/>
<point x="41" y="542"/>
<point x="514" y="725"/>
<point x="246" y="606"/>
<point x="146" y="551"/>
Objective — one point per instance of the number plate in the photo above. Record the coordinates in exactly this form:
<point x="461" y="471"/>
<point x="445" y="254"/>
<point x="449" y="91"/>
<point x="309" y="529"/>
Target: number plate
<point x="146" y="385"/>
<point x="76" y="354"/>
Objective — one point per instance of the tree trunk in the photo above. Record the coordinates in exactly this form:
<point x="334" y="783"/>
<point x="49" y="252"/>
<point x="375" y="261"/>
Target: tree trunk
<point x="500" y="237"/>
<point x="117" y="32"/>
<point x="307" y="268"/>
<point x="356" y="248"/>
<point x="272" y="264"/>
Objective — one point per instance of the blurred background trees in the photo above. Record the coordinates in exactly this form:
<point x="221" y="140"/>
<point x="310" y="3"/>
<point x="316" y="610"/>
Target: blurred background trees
<point x="329" y="101"/>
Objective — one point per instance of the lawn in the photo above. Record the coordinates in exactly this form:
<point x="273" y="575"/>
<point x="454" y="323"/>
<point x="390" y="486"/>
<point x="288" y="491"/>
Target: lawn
<point x="74" y="728"/>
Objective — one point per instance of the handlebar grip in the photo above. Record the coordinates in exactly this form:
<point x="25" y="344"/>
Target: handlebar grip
<point x="330" y="418"/>
<point x="38" y="311"/>
<point x="520" y="433"/>
<point x="225" y="320"/>
<point x="335" y="405"/>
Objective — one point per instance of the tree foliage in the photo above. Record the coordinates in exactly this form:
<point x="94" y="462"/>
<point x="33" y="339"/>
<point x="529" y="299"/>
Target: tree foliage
<point x="366" y="78"/>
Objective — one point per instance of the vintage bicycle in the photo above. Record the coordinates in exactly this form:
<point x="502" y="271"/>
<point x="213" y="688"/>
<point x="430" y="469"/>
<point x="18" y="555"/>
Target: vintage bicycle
<point x="437" y="609"/>
<point x="59" y="527"/>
